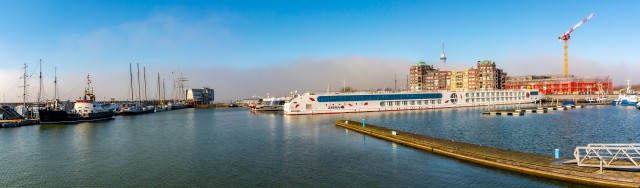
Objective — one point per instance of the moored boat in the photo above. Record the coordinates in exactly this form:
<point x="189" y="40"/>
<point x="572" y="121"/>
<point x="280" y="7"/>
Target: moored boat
<point x="88" y="109"/>
<point x="270" y="104"/>
<point x="136" y="110"/>
<point x="627" y="97"/>
<point x="329" y="103"/>
<point x="84" y="110"/>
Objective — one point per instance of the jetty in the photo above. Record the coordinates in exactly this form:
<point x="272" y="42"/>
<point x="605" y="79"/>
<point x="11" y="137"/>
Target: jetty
<point x="526" y="163"/>
<point x="534" y="110"/>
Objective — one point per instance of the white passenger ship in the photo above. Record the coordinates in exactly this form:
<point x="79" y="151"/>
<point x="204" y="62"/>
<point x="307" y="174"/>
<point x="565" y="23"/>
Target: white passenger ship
<point x="329" y="103"/>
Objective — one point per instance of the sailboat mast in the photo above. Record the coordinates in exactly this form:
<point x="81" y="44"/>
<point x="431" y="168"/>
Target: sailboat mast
<point x="131" y="80"/>
<point x="158" y="88"/>
<point x="55" y="87"/>
<point x="24" y="86"/>
<point x="40" y="88"/>
<point x="164" y="91"/>
<point x="145" y="83"/>
<point x="138" y="65"/>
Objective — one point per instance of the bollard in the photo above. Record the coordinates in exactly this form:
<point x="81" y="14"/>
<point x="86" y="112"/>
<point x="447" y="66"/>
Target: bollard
<point x="557" y="153"/>
<point x="364" y="123"/>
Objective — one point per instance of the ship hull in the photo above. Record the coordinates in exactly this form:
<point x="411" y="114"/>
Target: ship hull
<point x="136" y="112"/>
<point x="57" y="117"/>
<point x="97" y="116"/>
<point x="64" y="117"/>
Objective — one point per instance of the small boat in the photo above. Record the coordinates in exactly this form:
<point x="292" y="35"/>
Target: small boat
<point x="9" y="123"/>
<point x="177" y="106"/>
<point x="626" y="98"/>
<point x="136" y="110"/>
<point x="161" y="108"/>
<point x="270" y="104"/>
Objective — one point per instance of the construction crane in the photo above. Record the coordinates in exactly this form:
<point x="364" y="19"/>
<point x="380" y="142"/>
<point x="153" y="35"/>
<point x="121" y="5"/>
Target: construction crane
<point x="565" y="37"/>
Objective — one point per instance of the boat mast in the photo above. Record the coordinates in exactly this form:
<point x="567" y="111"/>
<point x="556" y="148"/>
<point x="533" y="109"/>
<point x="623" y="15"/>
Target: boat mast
<point x="40" y="88"/>
<point x="137" y="64"/>
<point x="24" y="86"/>
<point x="144" y="69"/>
<point x="131" y="80"/>
<point x="158" y="103"/>
<point x="164" y="91"/>
<point x="55" y="88"/>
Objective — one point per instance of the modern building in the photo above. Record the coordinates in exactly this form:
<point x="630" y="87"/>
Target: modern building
<point x="557" y="84"/>
<point x="200" y="96"/>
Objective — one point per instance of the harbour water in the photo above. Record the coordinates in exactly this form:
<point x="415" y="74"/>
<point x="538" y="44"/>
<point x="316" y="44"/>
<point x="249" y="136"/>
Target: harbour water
<point x="235" y="147"/>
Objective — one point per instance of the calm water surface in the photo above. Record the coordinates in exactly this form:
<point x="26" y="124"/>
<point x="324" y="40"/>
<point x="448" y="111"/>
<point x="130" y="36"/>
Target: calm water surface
<point x="237" y="148"/>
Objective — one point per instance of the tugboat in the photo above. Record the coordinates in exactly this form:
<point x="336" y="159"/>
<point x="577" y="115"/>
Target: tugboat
<point x="84" y="110"/>
<point x="88" y="109"/>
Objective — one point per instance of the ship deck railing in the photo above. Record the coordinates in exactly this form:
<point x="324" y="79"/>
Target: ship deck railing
<point x="405" y="91"/>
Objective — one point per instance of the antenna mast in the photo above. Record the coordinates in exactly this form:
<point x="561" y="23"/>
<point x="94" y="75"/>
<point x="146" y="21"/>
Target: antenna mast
<point x="443" y="58"/>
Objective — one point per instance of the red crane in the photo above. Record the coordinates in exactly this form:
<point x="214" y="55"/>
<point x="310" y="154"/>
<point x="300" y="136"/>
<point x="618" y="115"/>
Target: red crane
<point x="565" y="37"/>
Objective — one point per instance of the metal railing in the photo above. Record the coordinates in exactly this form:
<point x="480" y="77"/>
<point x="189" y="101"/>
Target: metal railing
<point x="609" y="155"/>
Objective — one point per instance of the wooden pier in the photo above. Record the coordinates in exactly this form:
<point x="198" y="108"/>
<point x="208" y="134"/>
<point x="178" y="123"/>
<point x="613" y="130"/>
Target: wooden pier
<point x="527" y="163"/>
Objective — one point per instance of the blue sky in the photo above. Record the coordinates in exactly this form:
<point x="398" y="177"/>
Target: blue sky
<point x="245" y="48"/>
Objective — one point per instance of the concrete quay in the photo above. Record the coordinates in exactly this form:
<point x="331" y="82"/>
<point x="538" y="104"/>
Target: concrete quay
<point x="526" y="163"/>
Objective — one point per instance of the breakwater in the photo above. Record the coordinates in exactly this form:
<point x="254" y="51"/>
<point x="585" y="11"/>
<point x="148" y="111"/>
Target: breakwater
<point x="527" y="163"/>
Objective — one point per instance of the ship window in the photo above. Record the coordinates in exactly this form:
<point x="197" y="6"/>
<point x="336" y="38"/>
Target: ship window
<point x="382" y="103"/>
<point x="378" y="97"/>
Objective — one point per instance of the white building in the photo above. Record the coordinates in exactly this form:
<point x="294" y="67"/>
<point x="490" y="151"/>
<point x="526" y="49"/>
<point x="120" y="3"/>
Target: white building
<point x="201" y="96"/>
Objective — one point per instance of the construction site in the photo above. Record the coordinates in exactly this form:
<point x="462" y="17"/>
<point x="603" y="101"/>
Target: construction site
<point x="558" y="84"/>
<point x="487" y="76"/>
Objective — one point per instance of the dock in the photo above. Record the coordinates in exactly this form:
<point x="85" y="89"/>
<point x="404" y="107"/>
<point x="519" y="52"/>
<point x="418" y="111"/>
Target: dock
<point x="521" y="162"/>
<point x="535" y="110"/>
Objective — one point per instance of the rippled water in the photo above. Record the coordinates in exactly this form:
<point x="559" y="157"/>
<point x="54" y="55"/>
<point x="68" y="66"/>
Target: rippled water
<point x="234" y="147"/>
